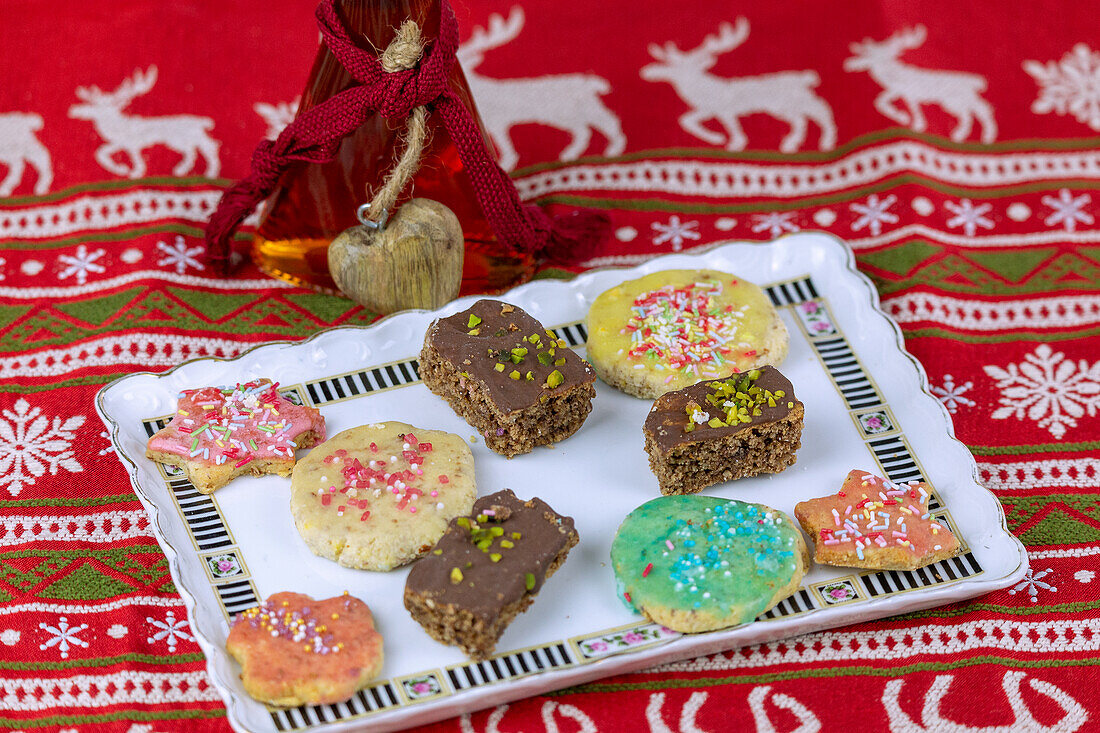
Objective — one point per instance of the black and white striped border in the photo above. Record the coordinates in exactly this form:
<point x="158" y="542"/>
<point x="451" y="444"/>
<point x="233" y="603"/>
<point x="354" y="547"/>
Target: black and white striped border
<point x="791" y="293"/>
<point x="899" y="465"/>
<point x="888" y="582"/>
<point x="798" y="603"/>
<point x="369" y="700"/>
<point x="844" y="368"/>
<point x="510" y="666"/>
<point x="356" y="384"/>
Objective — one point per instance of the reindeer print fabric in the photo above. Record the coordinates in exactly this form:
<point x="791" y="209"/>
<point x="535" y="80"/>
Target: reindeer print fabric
<point x="952" y="145"/>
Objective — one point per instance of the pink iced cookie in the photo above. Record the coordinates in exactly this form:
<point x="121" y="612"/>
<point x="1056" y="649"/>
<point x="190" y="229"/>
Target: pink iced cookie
<point x="219" y="433"/>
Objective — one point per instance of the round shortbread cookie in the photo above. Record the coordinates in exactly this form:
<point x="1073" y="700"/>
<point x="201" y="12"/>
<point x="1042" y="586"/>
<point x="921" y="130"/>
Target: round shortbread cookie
<point x="673" y="328"/>
<point x="379" y="496"/>
<point x="699" y="563"/>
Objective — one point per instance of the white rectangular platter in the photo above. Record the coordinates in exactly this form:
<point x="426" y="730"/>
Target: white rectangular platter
<point x="867" y="407"/>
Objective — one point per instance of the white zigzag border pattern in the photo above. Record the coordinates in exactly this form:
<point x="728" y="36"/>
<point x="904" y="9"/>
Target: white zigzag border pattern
<point x="100" y="527"/>
<point x="91" y="691"/>
<point x="943" y="640"/>
<point x="107" y="606"/>
<point x="1078" y="473"/>
<point x="140" y="349"/>
<point x="1068" y="311"/>
<point x="705" y="179"/>
<point x="708" y="179"/>
<point x="73" y="291"/>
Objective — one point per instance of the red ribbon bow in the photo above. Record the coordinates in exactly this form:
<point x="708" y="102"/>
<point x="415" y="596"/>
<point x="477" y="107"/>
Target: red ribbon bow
<point x="316" y="133"/>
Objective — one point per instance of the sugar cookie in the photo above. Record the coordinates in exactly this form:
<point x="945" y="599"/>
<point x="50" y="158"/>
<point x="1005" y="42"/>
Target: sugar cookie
<point x="673" y="328"/>
<point x="294" y="650"/>
<point x="874" y="523"/>
<point x="699" y="563"/>
<point x="219" y="433"/>
<point x="378" y="496"/>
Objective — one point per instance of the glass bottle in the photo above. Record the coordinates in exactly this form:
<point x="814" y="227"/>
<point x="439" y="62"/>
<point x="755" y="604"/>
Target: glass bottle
<point x="315" y="202"/>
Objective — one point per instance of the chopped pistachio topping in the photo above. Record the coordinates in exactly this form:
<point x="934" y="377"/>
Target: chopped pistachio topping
<point x="514" y="374"/>
<point x="474" y="320"/>
<point x="456" y="575"/>
<point x="529" y="581"/>
<point x="499" y="367"/>
<point x="554" y="379"/>
<point x="737" y="400"/>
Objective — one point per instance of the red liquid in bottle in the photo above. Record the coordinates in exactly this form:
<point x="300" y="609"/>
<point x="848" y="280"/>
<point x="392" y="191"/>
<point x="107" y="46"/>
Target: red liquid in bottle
<point x="315" y="202"/>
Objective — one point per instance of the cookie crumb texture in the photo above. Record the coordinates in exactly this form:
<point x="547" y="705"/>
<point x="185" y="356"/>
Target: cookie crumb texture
<point x="673" y="328"/>
<point x="297" y="651"/>
<point x="487" y="568"/>
<point x="219" y="433"/>
<point x="700" y="563"/>
<point x="379" y="496"/>
<point x="724" y="429"/>
<point x="507" y="376"/>
<point x="876" y="524"/>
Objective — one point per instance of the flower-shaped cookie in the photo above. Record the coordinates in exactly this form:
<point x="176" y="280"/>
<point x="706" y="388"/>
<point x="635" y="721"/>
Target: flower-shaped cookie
<point x="297" y="651"/>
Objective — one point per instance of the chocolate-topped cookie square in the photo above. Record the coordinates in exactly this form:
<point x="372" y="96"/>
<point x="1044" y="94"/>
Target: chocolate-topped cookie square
<point x="508" y="376"/>
<point x="487" y="568"/>
<point x="723" y="429"/>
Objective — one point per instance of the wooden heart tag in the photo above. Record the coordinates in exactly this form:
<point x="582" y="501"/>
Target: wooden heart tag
<point x="415" y="261"/>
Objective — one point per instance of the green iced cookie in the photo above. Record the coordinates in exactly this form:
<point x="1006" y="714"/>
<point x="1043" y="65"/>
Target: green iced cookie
<point x="699" y="563"/>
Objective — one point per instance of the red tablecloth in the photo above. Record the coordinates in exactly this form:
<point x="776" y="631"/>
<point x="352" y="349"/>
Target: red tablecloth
<point x="958" y="159"/>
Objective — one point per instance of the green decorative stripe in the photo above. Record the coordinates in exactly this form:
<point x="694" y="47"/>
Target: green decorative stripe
<point x="1021" y="450"/>
<point x="104" y="661"/>
<point x="174" y="185"/>
<point x="1000" y="338"/>
<point x="124" y="715"/>
<point x="69" y="501"/>
<point x="1028" y="610"/>
<point x="889" y="134"/>
<point x="75" y="382"/>
<point x="845" y="196"/>
<point x="117" y="553"/>
<point x="114" y="237"/>
<point x="830" y="671"/>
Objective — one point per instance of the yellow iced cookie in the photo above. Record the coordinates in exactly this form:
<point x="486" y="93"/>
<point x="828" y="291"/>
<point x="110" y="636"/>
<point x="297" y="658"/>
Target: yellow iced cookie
<point x="379" y="496"/>
<point x="673" y="328"/>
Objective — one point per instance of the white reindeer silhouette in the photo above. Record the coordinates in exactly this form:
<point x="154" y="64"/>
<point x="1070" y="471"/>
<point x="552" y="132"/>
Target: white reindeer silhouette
<point x="959" y="93"/>
<point x="785" y="95"/>
<point x="186" y="134"/>
<point x="18" y="147"/>
<point x="570" y="102"/>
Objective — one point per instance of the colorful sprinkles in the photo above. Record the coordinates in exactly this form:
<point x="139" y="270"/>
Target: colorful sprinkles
<point x="397" y="477"/>
<point x="238" y="424"/>
<point x="686" y="329"/>
<point x="297" y="626"/>
<point x="885" y="514"/>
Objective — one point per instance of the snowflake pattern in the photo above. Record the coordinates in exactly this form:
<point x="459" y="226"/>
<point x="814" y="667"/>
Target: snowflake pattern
<point x="675" y="232"/>
<point x="1069" y="86"/>
<point x="2" y="263"/>
<point x="874" y="213"/>
<point x="179" y="255"/>
<point x="63" y="636"/>
<point x="30" y="443"/>
<point x="1048" y="388"/>
<point x="951" y="394"/>
<point x="81" y="264"/>
<point x="1084" y="576"/>
<point x="1032" y="582"/>
<point x="775" y="223"/>
<point x="169" y="630"/>
<point x="277" y="116"/>
<point x="968" y="216"/>
<point x="110" y="446"/>
<point x="1068" y="210"/>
